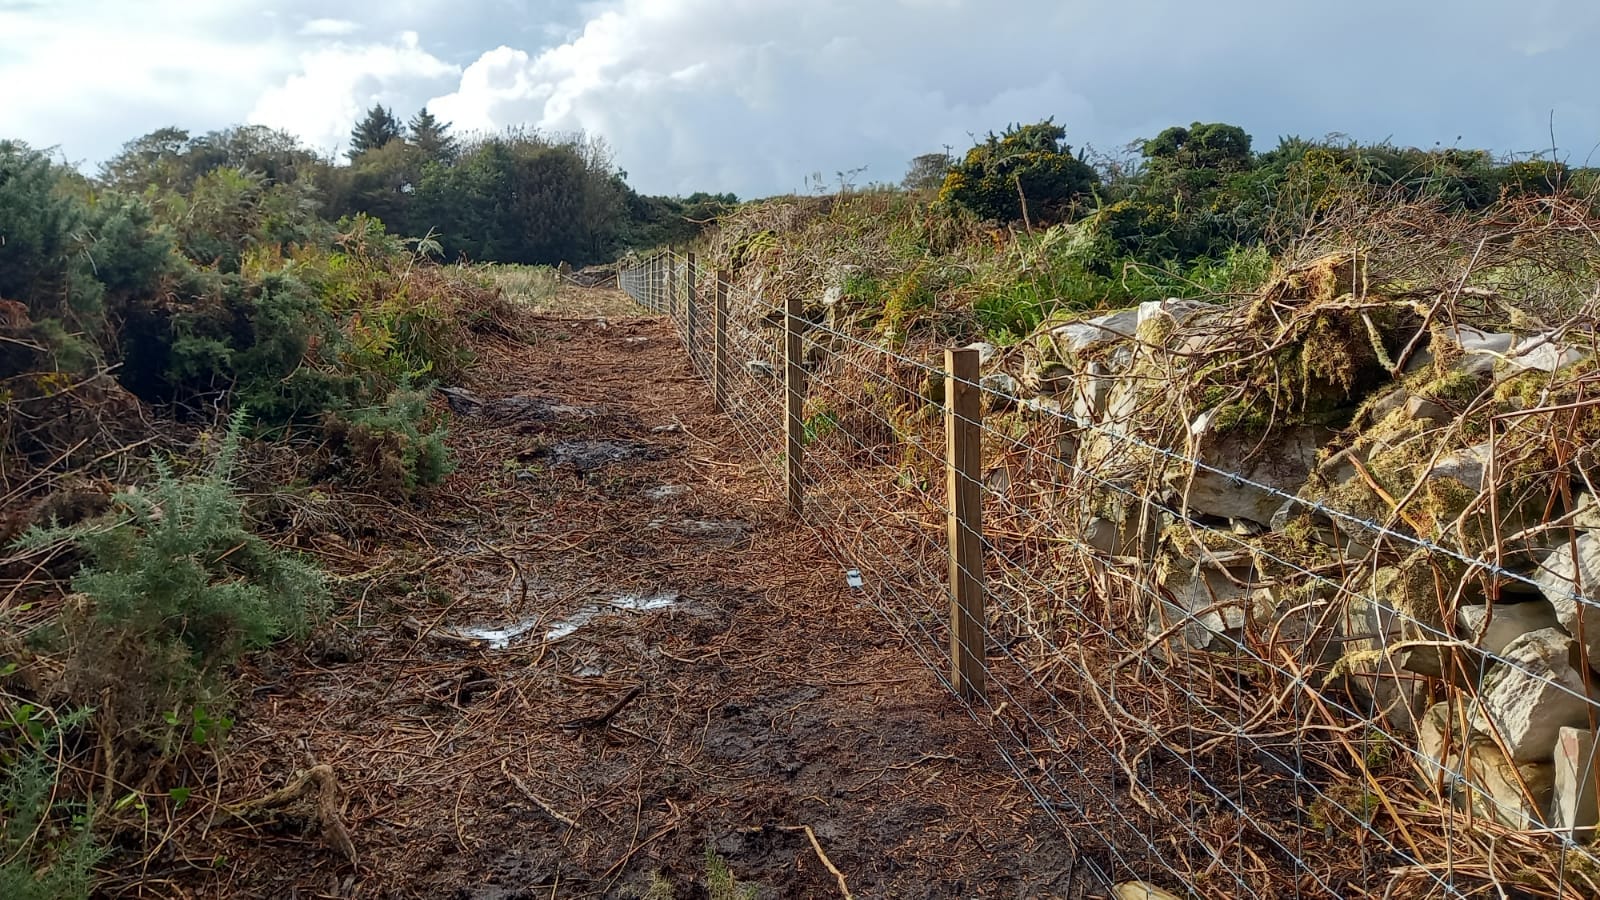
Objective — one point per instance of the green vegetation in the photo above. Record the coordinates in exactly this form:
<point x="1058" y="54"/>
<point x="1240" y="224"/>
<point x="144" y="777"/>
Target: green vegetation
<point x="238" y="278"/>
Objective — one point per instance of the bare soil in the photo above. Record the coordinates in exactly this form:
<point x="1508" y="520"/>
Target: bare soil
<point x="676" y="667"/>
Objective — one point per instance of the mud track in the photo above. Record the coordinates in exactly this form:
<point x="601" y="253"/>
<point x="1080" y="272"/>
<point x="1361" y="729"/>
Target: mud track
<point x="598" y="652"/>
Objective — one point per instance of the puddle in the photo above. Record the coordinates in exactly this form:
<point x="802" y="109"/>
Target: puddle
<point x="497" y="637"/>
<point x="521" y="407"/>
<point x="586" y="456"/>
<point x="729" y="530"/>
<point x="623" y="603"/>
<point x="664" y="492"/>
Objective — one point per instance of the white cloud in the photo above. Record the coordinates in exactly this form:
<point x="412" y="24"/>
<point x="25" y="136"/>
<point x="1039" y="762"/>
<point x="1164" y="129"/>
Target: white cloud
<point x="336" y="84"/>
<point x="329" y="28"/>
<point x="698" y="94"/>
<point x="751" y="95"/>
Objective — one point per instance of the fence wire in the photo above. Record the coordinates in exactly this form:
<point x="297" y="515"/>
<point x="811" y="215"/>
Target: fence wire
<point x="1206" y="747"/>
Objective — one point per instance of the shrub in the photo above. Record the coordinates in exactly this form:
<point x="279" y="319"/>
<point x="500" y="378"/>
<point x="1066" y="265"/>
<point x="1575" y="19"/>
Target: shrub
<point x="177" y="566"/>
<point x="392" y="445"/>
<point x="1028" y="163"/>
<point x="46" y="849"/>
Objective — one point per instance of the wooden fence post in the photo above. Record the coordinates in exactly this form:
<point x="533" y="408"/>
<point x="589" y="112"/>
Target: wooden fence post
<point x="963" y="465"/>
<point x="719" y="341"/>
<point x="794" y="382"/>
<point x="672" y="282"/>
<point x="653" y="277"/>
<point x="688" y="315"/>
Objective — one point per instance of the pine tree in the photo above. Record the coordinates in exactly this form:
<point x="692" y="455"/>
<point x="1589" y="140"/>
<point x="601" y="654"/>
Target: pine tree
<point x="376" y="130"/>
<point x="432" y="136"/>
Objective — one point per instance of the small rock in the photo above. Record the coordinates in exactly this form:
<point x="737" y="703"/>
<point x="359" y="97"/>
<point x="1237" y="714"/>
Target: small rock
<point x="1207" y="600"/>
<point x="462" y="401"/>
<point x="986" y="351"/>
<point x="1484" y="777"/>
<point x="1101" y="534"/>
<point x="999" y="389"/>
<point x="1387" y="404"/>
<point x="1508" y="622"/>
<point x="1573" y="808"/>
<point x="1282" y="471"/>
<point x="664" y="492"/>
<point x="1533" y="698"/>
<point x="1542" y="353"/>
<point x="1587" y="513"/>
<point x="1424" y="409"/>
<point x="998" y="480"/>
<point x="1557" y="575"/>
<point x="1078" y="337"/>
<point x="1467" y="466"/>
<point x="1090" y="393"/>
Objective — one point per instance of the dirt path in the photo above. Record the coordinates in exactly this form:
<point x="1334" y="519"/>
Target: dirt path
<point x="605" y="510"/>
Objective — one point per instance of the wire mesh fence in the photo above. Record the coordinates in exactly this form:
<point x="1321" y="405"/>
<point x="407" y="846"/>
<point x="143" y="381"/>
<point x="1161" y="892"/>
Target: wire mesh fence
<point x="1323" y="707"/>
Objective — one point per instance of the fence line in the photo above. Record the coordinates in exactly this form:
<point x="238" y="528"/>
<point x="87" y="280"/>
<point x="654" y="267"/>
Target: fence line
<point x="1135" y="740"/>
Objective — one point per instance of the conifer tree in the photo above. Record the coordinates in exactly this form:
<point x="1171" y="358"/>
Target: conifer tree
<point x="377" y="129"/>
<point x="432" y="136"/>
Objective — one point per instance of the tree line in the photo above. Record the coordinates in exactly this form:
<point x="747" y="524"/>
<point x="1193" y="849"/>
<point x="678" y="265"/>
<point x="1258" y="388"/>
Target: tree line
<point x="518" y="196"/>
<point x="1196" y="192"/>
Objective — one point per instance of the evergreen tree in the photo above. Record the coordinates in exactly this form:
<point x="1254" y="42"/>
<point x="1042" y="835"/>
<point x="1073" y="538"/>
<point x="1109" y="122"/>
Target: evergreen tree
<point x="432" y="137"/>
<point x="375" y="131"/>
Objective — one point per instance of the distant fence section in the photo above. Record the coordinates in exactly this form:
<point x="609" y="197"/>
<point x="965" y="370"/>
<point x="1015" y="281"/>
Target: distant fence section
<point x="1271" y="721"/>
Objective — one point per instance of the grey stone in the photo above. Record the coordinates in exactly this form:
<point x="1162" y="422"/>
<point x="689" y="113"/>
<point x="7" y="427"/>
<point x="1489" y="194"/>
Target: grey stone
<point x="1543" y="353"/>
<point x="1207" y="601"/>
<point x="999" y="389"/>
<point x="1090" y="391"/>
<point x="1387" y="404"/>
<point x="1477" y="773"/>
<point x="986" y="351"/>
<point x="1468" y="466"/>
<point x="1422" y="408"/>
<point x="1558" y="576"/>
<point x="1573" y="808"/>
<point x="1101" y="534"/>
<point x="1586" y="515"/>
<point x="1078" y="337"/>
<point x="1531" y="696"/>
<point x="1282" y="470"/>
<point x="761" y="368"/>
<point x="1506" y="623"/>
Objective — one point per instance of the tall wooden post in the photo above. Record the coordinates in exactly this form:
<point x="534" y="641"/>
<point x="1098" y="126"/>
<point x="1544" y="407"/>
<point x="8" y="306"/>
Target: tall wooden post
<point x="677" y="282"/>
<point x="794" y="382"/>
<point x="963" y="465"/>
<point x="689" y="310"/>
<point x="654" y="290"/>
<point x="719" y="341"/>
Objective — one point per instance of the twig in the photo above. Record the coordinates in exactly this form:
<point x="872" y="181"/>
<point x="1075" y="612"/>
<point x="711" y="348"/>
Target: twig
<point x="528" y="792"/>
<point x="603" y="719"/>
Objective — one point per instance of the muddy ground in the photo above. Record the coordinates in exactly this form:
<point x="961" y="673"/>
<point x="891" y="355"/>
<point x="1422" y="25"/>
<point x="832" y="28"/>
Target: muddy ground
<point x="600" y="652"/>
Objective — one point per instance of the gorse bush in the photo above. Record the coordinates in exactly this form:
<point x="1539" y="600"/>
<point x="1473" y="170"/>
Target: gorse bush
<point x="1026" y="173"/>
<point x="393" y="445"/>
<point x="176" y="566"/>
<point x="47" y="851"/>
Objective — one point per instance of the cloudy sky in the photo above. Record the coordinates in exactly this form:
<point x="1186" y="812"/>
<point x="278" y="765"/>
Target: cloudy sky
<point x="752" y="96"/>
